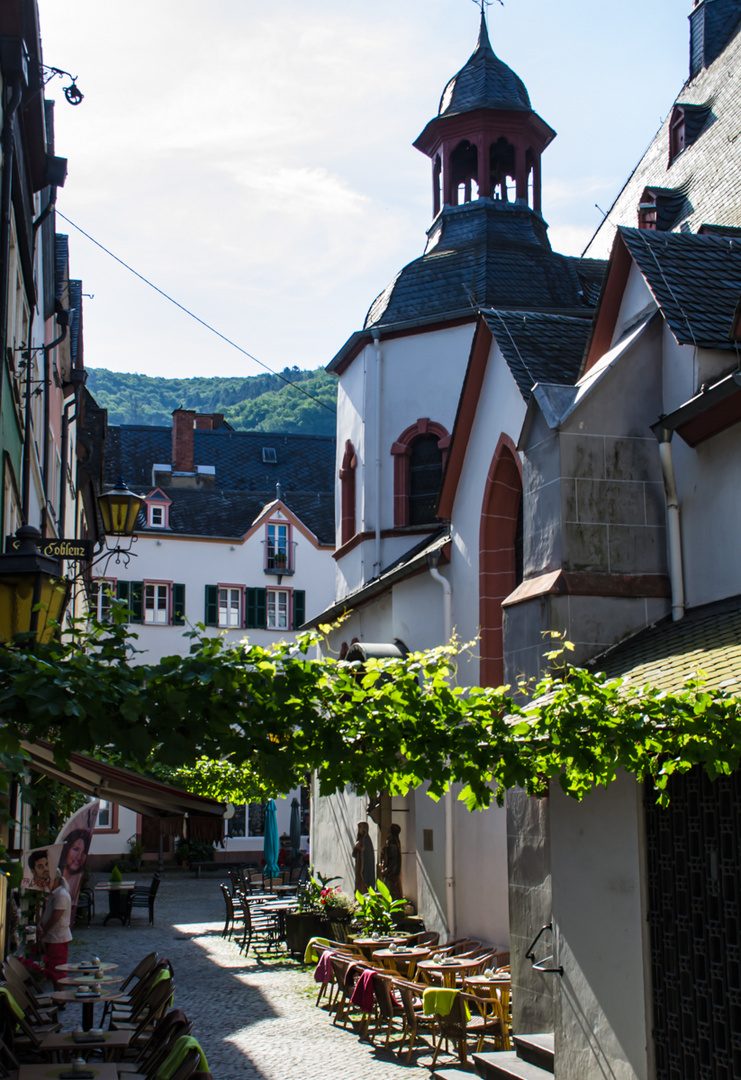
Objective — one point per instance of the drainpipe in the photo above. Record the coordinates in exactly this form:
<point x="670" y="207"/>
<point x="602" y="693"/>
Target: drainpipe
<point x="433" y="560"/>
<point x="63" y="320"/>
<point x="377" y="540"/>
<point x="673" y="531"/>
<point x="8" y="147"/>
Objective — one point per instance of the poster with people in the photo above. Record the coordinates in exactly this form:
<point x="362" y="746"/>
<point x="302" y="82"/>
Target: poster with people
<point x="40" y="866"/>
<point x="75" y="837"/>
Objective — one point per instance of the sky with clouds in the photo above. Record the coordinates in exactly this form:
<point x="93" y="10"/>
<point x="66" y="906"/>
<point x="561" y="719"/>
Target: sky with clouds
<point x="254" y="160"/>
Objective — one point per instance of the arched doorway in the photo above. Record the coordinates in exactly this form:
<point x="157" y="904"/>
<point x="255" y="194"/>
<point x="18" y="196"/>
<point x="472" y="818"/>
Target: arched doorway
<point x="500" y="554"/>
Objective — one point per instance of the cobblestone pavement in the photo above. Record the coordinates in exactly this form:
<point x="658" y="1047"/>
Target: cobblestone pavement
<point x="254" y="1016"/>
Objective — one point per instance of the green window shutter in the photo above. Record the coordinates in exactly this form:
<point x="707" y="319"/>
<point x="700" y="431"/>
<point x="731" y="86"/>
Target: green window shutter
<point x="299" y="608"/>
<point x="211" y="606"/>
<point x="178" y="605"/>
<point x="122" y="590"/>
<point x="256" y="608"/>
<point x="136" y="601"/>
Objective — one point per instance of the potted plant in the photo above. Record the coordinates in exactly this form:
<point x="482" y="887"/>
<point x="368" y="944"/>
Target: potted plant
<point x="311" y="918"/>
<point x="116" y="898"/>
<point x="377" y="910"/>
<point x="338" y="910"/>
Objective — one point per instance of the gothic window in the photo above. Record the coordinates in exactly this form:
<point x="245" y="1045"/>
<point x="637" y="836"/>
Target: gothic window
<point x="347" y="493"/>
<point x="501" y="169"/>
<point x="419" y="459"/>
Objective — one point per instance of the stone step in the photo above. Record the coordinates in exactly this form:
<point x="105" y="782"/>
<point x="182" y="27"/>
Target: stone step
<point x="506" y="1065"/>
<point x="536" y="1049"/>
<point x="453" y="1074"/>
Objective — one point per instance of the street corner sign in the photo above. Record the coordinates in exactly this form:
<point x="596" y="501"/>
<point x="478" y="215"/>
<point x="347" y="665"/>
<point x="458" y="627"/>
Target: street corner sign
<point x="55" y="548"/>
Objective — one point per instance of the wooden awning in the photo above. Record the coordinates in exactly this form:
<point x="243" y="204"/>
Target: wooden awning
<point x="130" y="789"/>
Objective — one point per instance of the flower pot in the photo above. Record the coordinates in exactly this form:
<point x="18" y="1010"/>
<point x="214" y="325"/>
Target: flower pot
<point x="301" y="927"/>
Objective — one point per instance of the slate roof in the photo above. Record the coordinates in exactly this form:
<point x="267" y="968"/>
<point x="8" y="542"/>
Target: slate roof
<point x="539" y="348"/>
<point x="243" y="483"/>
<point x="491" y="254"/>
<point x="695" y="280"/>
<point x="709" y="168"/>
<point x="707" y="639"/>
<point x="484" y="82"/>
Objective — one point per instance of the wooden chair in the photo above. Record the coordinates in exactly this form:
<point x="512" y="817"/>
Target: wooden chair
<point x="150" y="1056"/>
<point x="142" y="896"/>
<point x="153" y="1009"/>
<point x="410" y="995"/>
<point x="258" y="924"/>
<point x="230" y="913"/>
<point x="464" y="1019"/>
<point x="494" y="1007"/>
<point x="388" y="1009"/>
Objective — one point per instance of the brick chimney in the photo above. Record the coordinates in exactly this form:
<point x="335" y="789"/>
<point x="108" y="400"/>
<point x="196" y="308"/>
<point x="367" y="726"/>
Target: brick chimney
<point x="183" y="422"/>
<point x="209" y="421"/>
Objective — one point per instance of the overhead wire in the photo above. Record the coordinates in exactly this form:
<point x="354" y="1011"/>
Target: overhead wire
<point x="277" y="374"/>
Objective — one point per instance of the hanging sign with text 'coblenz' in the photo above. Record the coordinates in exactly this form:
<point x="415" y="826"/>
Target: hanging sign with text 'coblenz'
<point x="55" y="548"/>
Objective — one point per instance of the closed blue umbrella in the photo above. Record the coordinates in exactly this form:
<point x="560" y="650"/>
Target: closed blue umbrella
<point x="270" y="841"/>
<point x="294" y="830"/>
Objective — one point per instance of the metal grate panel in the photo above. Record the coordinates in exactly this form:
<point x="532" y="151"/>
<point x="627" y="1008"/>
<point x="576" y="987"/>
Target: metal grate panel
<point x="694" y="879"/>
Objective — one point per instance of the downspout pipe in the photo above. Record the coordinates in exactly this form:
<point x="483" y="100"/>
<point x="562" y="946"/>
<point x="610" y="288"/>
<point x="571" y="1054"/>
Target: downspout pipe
<point x="6" y="192"/>
<point x="377" y="510"/>
<point x="63" y="320"/>
<point x="433" y="559"/>
<point x="673" y="529"/>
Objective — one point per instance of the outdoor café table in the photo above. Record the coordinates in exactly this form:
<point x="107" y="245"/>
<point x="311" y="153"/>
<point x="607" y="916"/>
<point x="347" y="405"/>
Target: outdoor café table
<point x="117" y="894"/>
<point x="87" y="968"/>
<point x="100" y="1071"/>
<point x="88" y="1003"/>
<point x="280" y="908"/>
<point x="91" y="980"/>
<point x="64" y="1044"/>
<point x="449" y="972"/>
<point x="404" y="961"/>
<point x="368" y="945"/>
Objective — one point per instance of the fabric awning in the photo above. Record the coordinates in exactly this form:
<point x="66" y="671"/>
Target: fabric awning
<point x="139" y="793"/>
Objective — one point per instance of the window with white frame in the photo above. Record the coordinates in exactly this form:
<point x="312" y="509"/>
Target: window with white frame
<point x="230" y="607"/>
<point x="278" y="548"/>
<point x="278" y="609"/>
<point x="156" y="516"/>
<point x="104" y="815"/>
<point x="156" y="604"/>
<point x="101" y="598"/>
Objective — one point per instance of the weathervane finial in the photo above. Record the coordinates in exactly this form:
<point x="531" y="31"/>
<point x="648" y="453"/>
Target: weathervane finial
<point x="484" y="4"/>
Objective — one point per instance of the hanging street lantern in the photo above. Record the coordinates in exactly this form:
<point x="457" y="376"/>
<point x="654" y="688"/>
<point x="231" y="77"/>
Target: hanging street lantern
<point x="33" y="594"/>
<point x="119" y="509"/>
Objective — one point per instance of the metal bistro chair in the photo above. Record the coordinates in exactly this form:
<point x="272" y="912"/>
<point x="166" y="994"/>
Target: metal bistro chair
<point x="258" y="924"/>
<point x="142" y="896"/>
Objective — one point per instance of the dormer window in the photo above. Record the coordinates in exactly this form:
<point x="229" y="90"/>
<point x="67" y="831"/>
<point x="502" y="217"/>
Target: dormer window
<point x="647" y="211"/>
<point x="677" y="132"/>
<point x="157" y="510"/>
<point x="660" y="207"/>
<point x="685" y="126"/>
<point x="279" y="548"/>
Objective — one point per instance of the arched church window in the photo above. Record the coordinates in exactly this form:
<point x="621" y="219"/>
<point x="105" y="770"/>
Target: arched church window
<point x="347" y="493"/>
<point x="425" y="474"/>
<point x="419" y="458"/>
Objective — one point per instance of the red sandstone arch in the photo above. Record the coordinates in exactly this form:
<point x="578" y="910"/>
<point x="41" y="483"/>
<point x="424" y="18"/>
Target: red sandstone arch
<point x="497" y="554"/>
<point x="401" y="451"/>
<point x="347" y="493"/>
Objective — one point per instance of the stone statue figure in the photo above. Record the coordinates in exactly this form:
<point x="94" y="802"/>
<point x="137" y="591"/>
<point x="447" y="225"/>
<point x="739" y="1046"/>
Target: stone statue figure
<point x="391" y="862"/>
<point x="365" y="861"/>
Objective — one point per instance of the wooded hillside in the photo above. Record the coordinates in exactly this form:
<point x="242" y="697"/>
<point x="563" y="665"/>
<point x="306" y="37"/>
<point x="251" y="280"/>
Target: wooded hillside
<point x="253" y="403"/>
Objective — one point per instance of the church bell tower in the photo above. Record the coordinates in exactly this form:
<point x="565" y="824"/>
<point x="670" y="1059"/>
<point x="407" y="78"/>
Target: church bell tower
<point x="486" y="141"/>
